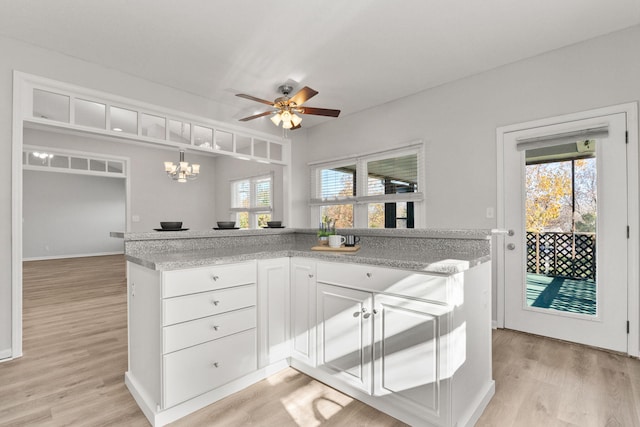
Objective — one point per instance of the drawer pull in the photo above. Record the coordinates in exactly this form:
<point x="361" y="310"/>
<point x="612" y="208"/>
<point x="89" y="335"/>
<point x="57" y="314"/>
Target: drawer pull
<point x="215" y="302"/>
<point x="215" y="327"/>
<point x="215" y="278"/>
<point x="215" y="365"/>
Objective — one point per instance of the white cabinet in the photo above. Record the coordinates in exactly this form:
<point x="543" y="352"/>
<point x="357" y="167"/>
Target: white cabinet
<point x="408" y="353"/>
<point x="191" y="332"/>
<point x="345" y="332"/>
<point x="303" y="310"/>
<point x="273" y="307"/>
<point x="195" y="370"/>
<point x="398" y="349"/>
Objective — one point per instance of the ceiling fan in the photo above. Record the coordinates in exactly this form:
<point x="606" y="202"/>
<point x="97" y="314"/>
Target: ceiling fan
<point x="286" y="107"/>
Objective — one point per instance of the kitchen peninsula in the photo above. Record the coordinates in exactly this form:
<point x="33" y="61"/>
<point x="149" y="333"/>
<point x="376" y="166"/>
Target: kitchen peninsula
<point x="403" y="324"/>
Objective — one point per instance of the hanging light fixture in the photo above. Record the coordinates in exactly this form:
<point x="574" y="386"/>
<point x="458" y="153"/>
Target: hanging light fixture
<point x="182" y="171"/>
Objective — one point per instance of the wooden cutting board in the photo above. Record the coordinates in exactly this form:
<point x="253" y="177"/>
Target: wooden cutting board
<point x="355" y="248"/>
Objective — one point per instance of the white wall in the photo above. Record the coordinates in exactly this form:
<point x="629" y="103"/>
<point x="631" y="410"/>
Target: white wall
<point x="71" y="215"/>
<point x="459" y="120"/>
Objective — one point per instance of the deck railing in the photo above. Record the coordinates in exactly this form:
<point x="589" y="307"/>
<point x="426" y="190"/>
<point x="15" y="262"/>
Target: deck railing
<point x="559" y="254"/>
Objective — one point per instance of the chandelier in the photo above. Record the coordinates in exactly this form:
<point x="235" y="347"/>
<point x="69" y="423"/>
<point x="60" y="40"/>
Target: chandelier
<point x="182" y="171"/>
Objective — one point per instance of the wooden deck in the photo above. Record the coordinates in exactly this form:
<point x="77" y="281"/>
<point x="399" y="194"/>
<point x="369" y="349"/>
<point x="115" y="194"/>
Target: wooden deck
<point x="562" y="294"/>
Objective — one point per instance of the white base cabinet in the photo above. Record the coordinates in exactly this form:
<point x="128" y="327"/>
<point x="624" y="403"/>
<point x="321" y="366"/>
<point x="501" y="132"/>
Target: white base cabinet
<point x="199" y="334"/>
<point x="414" y="345"/>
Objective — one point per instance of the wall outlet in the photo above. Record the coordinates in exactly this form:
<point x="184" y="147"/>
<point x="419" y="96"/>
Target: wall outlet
<point x="135" y="218"/>
<point x="489" y="212"/>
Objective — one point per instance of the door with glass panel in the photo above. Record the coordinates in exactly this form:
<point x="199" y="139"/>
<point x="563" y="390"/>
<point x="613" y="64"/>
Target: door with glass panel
<point x="565" y="193"/>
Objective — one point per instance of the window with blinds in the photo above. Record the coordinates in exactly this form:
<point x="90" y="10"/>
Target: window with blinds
<point x="381" y="188"/>
<point x="251" y="201"/>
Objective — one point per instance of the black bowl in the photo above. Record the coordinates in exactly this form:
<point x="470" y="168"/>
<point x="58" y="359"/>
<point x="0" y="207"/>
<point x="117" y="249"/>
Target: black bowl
<point x="226" y="224"/>
<point x="274" y="223"/>
<point x="171" y="225"/>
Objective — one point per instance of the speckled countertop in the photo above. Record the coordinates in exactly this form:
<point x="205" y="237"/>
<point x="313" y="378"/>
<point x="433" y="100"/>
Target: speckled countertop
<point x="434" y="251"/>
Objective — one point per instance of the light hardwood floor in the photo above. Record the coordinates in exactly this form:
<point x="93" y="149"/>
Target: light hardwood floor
<point x="75" y="356"/>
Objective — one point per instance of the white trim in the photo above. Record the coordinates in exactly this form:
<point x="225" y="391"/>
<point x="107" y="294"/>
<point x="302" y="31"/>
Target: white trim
<point x="409" y="145"/>
<point x="77" y="92"/>
<point x="42" y="258"/>
<point x="16" y="217"/>
<point x="5" y="355"/>
<point x="78" y="154"/>
<point x="633" y="210"/>
<point x="360" y="216"/>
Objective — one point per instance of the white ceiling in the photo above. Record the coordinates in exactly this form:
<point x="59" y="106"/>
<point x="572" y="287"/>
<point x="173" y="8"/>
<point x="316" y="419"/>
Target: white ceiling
<point x="356" y="53"/>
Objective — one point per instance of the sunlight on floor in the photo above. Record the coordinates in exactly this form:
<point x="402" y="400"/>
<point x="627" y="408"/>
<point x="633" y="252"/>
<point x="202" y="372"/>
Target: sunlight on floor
<point x="314" y="404"/>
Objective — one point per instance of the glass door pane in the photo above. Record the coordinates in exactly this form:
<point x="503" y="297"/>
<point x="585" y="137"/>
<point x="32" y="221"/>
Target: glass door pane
<point x="561" y="212"/>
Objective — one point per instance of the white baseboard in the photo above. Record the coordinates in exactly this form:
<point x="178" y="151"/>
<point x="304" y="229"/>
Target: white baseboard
<point x="5" y="355"/>
<point x="494" y="324"/>
<point x="42" y="258"/>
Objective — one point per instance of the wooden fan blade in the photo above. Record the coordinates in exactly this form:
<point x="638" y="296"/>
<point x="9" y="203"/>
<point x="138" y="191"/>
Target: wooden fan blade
<point x="253" y="98"/>
<point x="246" y="119"/>
<point x="303" y="95"/>
<point x="320" y="111"/>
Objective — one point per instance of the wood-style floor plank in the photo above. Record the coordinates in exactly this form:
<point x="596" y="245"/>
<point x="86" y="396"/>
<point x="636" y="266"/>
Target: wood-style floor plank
<point x="75" y="356"/>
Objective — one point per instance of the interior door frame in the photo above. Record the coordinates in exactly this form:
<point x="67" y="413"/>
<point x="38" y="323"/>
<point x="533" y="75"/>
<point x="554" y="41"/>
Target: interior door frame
<point x="633" y="211"/>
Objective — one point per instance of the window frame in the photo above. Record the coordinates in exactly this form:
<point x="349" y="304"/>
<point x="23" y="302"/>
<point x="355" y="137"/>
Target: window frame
<point x="362" y="200"/>
<point x="253" y="211"/>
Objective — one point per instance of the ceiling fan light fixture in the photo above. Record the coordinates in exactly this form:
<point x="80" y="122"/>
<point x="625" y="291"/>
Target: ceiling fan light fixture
<point x="276" y="119"/>
<point x="285" y="115"/>
<point x="287" y="124"/>
<point x="296" y="120"/>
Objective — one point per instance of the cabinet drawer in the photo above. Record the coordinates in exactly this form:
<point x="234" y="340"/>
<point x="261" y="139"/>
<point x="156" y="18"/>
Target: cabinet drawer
<point x="195" y="332"/>
<point x="193" y="280"/>
<point x="196" y="370"/>
<point x="196" y="306"/>
<point x="386" y="280"/>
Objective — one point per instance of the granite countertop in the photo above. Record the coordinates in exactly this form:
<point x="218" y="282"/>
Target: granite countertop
<point x="440" y="262"/>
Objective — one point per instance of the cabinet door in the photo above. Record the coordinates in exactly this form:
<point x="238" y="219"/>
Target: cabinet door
<point x="345" y="328"/>
<point x="303" y="310"/>
<point x="407" y="353"/>
<point x="273" y="310"/>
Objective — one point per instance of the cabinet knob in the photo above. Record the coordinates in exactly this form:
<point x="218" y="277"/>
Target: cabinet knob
<point x="356" y="314"/>
<point x="215" y="365"/>
<point x="310" y="276"/>
<point x="366" y="315"/>
<point x="215" y="302"/>
<point x="375" y="311"/>
<point x="369" y="275"/>
<point x="215" y="327"/>
<point x="215" y="278"/>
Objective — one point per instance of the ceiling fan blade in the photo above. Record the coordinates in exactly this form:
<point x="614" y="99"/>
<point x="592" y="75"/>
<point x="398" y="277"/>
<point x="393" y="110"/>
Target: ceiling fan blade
<point x="246" y="119"/>
<point x="253" y="98"/>
<point x="320" y="111"/>
<point x="295" y="127"/>
<point x="303" y="95"/>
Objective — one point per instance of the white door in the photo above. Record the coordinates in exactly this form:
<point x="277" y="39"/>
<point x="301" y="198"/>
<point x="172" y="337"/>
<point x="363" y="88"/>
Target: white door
<point x="566" y="276"/>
